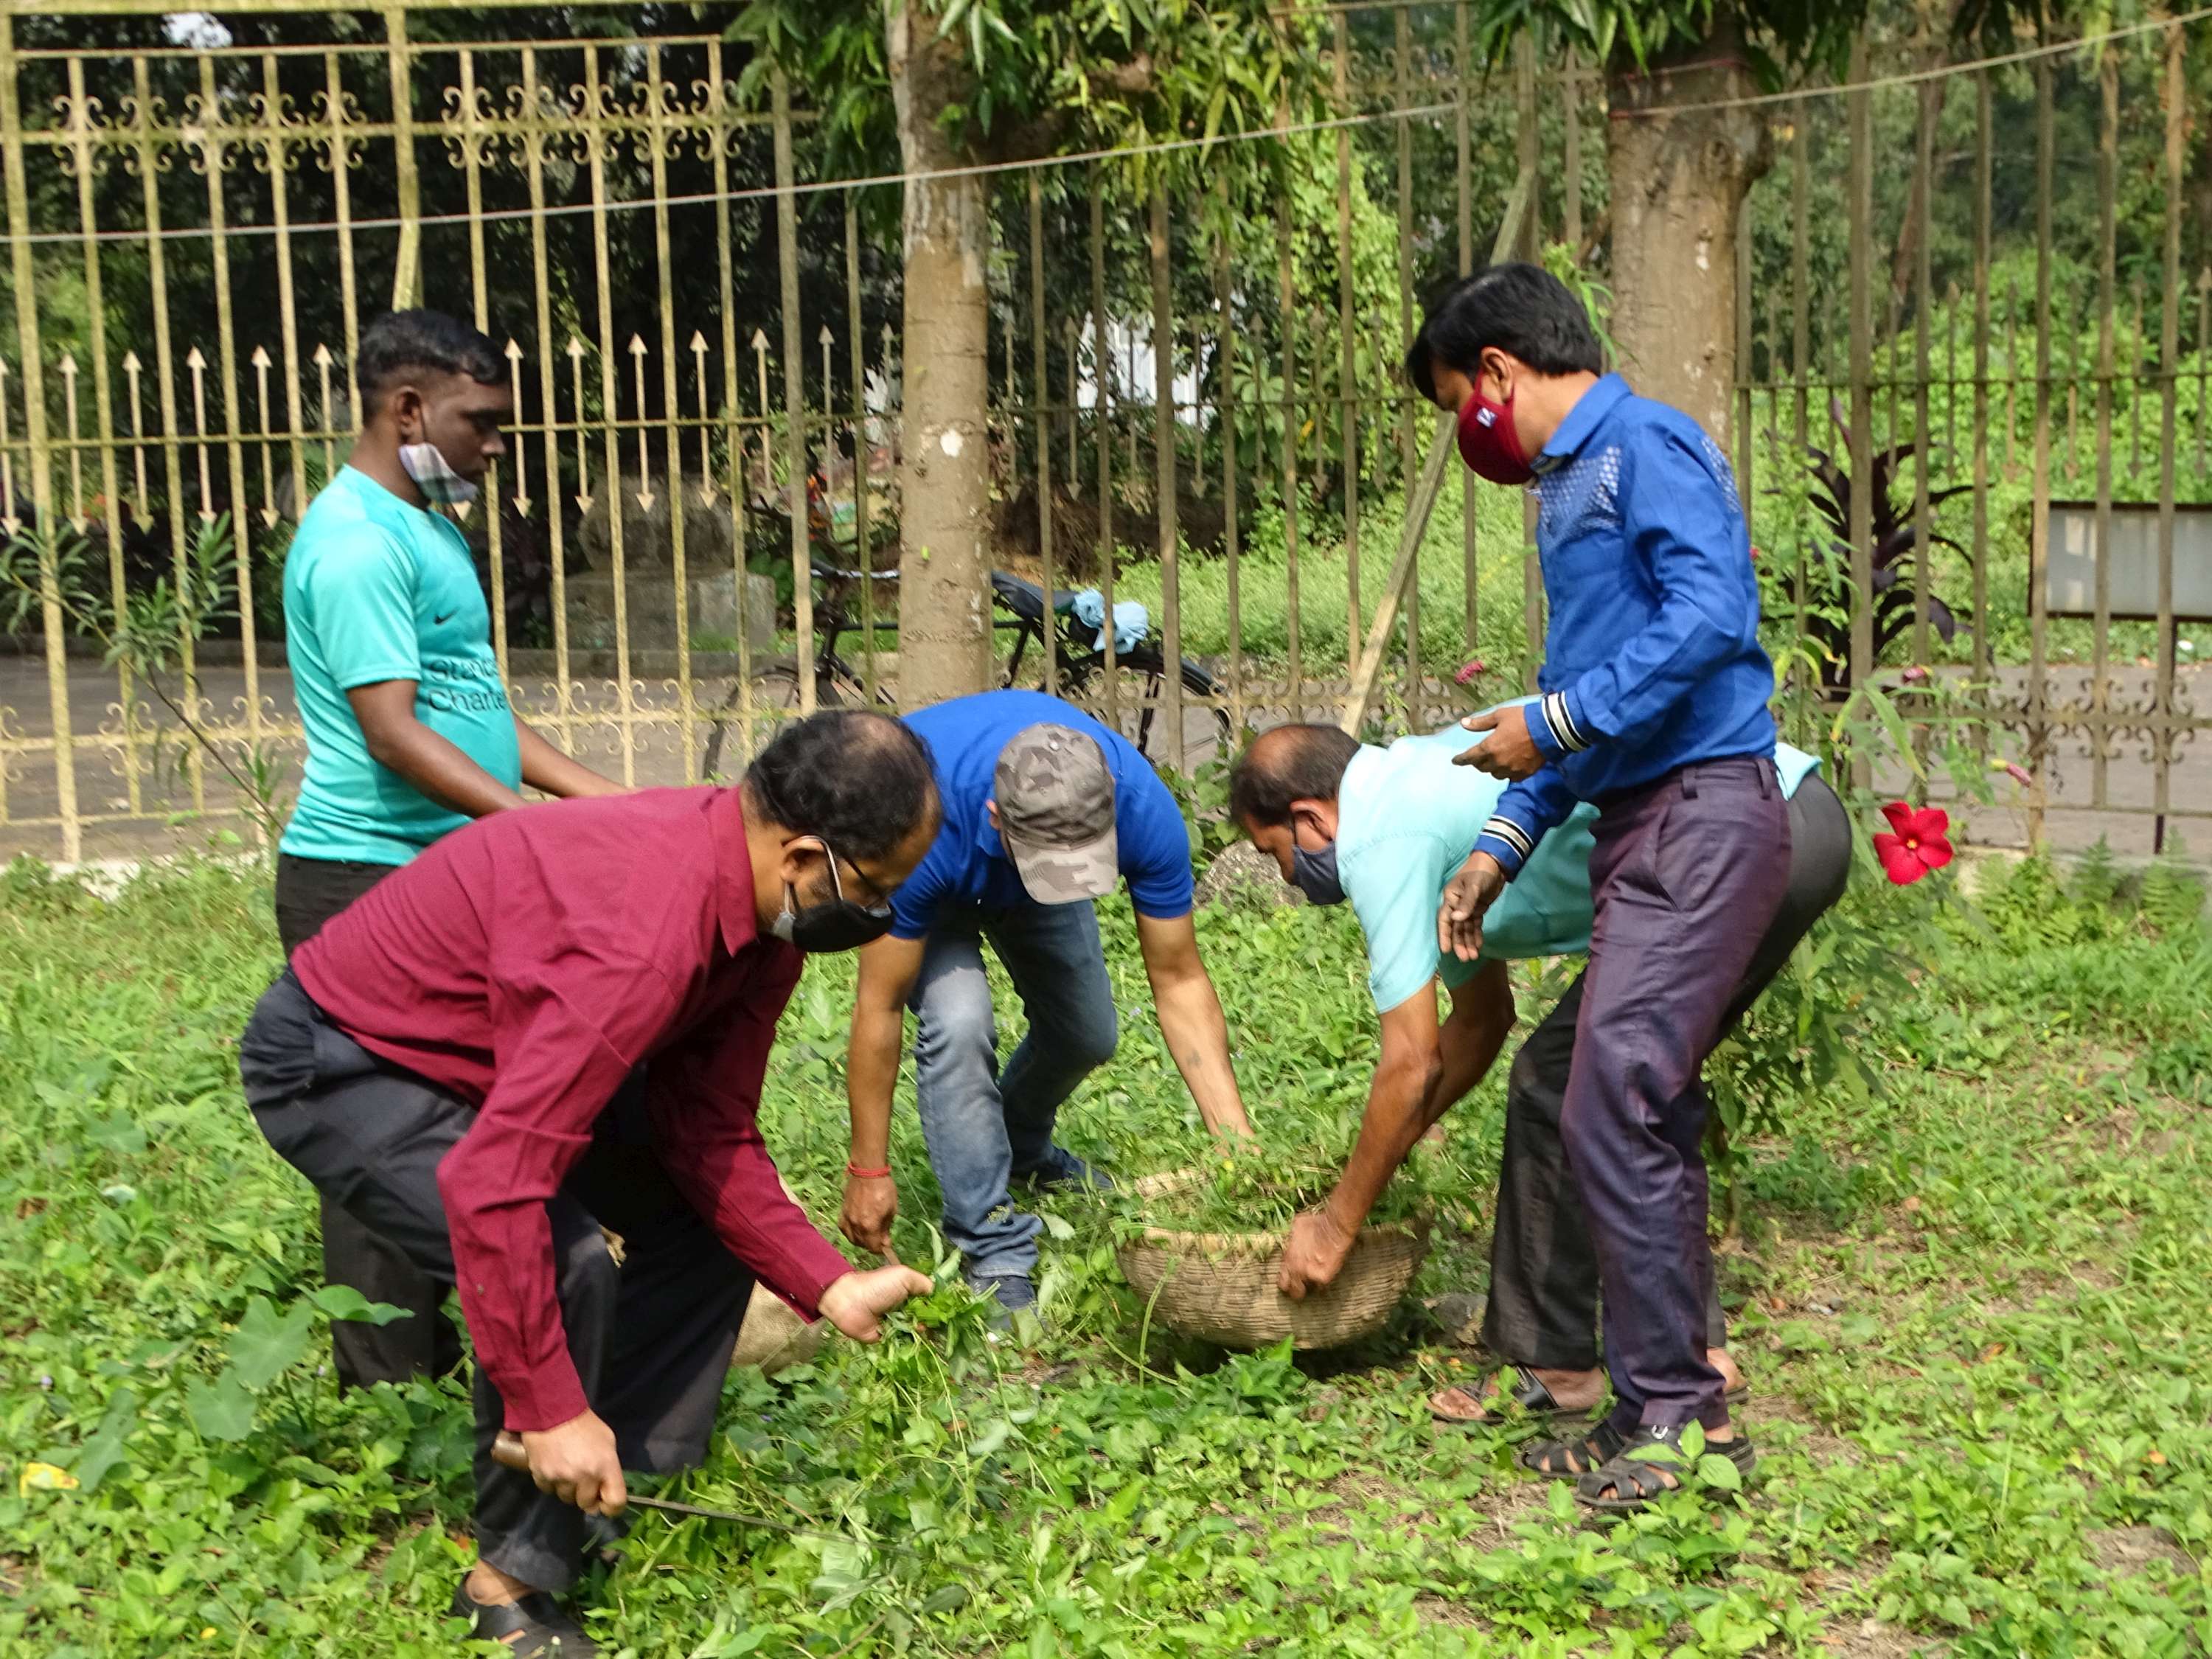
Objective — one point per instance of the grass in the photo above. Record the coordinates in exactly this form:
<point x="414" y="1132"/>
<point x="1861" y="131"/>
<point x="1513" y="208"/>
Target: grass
<point x="1974" y="1312"/>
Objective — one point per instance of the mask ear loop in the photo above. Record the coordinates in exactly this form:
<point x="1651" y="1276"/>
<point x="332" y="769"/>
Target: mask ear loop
<point x="829" y="854"/>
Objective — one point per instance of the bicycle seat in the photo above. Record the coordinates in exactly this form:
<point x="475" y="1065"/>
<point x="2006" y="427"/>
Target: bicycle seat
<point x="1025" y="599"/>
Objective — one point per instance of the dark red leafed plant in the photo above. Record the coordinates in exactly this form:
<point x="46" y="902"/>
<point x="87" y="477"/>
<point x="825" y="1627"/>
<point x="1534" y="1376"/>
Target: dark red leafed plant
<point x="1920" y="841"/>
<point x="1899" y="552"/>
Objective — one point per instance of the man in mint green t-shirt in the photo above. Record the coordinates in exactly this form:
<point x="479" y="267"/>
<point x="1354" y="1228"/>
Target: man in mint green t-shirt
<point x="1387" y="829"/>
<point x="409" y="732"/>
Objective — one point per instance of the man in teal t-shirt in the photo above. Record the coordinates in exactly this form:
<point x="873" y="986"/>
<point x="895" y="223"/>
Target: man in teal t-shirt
<point x="410" y="733"/>
<point x="1387" y="829"/>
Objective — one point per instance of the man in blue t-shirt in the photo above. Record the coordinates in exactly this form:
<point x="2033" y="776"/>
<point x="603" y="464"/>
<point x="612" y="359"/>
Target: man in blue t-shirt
<point x="1045" y="810"/>
<point x="1387" y="829"/>
<point x="409" y="733"/>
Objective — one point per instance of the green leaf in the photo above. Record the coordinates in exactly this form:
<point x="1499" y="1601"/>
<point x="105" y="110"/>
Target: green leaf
<point x="994" y="1437"/>
<point x="267" y="1343"/>
<point x="1693" y="1441"/>
<point x="221" y="1410"/>
<point x="944" y="1598"/>
<point x="344" y="1301"/>
<point x="120" y="1133"/>
<point x="1717" y="1472"/>
<point x="104" y="1451"/>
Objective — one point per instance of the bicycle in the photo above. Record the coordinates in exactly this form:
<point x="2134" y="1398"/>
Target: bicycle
<point x="839" y="683"/>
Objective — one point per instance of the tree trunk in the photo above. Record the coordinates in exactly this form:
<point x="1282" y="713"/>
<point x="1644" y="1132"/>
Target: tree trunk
<point x="1677" y="188"/>
<point x="945" y="497"/>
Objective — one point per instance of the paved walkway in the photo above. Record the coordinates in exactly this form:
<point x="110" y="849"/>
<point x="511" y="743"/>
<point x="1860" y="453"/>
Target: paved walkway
<point x="645" y="742"/>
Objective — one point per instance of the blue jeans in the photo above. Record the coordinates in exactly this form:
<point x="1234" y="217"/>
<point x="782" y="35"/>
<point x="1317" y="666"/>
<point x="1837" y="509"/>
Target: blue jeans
<point x="985" y="1128"/>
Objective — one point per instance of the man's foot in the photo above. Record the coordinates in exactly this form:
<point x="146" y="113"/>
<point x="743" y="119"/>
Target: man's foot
<point x="1061" y="1168"/>
<point x="1625" y="1483"/>
<point x="1535" y="1393"/>
<point x="533" y="1625"/>
<point x="1013" y="1292"/>
<point x="1541" y="1393"/>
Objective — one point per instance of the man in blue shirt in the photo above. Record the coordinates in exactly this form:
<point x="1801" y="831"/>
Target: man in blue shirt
<point x="1653" y="710"/>
<point x="410" y="733"/>
<point x="1386" y="829"/>
<point x="1045" y="809"/>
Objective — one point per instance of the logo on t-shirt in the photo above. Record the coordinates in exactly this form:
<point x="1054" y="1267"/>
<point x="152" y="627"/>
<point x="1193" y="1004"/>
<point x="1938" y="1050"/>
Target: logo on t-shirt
<point x="457" y="685"/>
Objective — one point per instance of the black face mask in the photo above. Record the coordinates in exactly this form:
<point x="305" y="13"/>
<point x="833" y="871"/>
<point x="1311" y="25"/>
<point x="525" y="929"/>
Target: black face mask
<point x="836" y="924"/>
<point x="1314" y="874"/>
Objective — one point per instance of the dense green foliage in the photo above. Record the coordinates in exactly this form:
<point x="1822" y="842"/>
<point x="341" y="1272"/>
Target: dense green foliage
<point x="1971" y="1300"/>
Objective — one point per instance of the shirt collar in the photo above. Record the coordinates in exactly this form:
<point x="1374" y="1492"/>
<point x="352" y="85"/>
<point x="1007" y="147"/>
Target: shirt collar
<point x="1583" y="419"/>
<point x="733" y="869"/>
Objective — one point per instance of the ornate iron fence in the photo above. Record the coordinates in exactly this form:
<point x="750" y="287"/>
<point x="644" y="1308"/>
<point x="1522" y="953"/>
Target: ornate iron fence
<point x="700" y="326"/>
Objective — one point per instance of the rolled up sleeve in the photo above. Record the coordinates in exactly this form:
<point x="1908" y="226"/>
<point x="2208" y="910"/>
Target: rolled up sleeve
<point x="703" y="1097"/>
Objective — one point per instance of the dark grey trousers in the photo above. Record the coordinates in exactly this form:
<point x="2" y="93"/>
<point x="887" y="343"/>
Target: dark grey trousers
<point x="1543" y="1303"/>
<point x="651" y="1341"/>
<point x="309" y="892"/>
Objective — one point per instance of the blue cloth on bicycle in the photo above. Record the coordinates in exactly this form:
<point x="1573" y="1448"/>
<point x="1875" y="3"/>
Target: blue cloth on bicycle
<point x="1132" y="622"/>
<point x="967" y="868"/>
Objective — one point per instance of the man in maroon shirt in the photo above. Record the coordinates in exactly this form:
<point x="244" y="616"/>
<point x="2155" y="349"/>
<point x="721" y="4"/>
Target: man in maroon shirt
<point x="555" y="1021"/>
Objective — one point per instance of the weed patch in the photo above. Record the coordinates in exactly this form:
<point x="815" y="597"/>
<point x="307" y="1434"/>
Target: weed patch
<point x="1971" y="1302"/>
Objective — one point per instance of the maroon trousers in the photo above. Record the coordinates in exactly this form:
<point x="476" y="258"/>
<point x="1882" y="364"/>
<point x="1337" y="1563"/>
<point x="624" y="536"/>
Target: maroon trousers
<point x="1687" y="874"/>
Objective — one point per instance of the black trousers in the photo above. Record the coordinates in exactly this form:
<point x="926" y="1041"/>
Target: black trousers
<point x="651" y="1341"/>
<point x="1543" y="1303"/>
<point x="309" y="892"/>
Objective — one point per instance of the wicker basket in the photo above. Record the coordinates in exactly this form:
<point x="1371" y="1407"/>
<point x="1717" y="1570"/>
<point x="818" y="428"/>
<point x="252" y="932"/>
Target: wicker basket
<point x="1222" y="1287"/>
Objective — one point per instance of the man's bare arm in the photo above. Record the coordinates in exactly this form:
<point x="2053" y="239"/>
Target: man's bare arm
<point x="545" y="768"/>
<point x="1455" y="1057"/>
<point x="1191" y="1020"/>
<point x="435" y="765"/>
<point x="888" y="970"/>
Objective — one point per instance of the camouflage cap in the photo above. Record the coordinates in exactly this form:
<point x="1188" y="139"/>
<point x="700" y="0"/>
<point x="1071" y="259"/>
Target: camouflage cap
<point x="1055" y="800"/>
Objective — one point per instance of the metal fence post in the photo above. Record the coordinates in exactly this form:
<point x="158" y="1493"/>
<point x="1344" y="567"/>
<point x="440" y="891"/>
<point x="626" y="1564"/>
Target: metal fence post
<point x="30" y="365"/>
<point x="1860" y="209"/>
<point x="407" y="265"/>
<point x="2038" y="694"/>
<point x="794" y="390"/>
<point x="1041" y="379"/>
<point x="1164" y="455"/>
<point x="2173" y="100"/>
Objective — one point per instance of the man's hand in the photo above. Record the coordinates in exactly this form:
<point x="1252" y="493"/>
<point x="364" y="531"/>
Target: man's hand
<point x="855" y="1302"/>
<point x="870" y="1206"/>
<point x="1511" y="752"/>
<point x="577" y="1462"/>
<point x="1467" y="896"/>
<point x="1313" y="1255"/>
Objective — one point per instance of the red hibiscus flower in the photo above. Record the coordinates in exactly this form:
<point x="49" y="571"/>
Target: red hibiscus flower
<point x="1921" y="843"/>
<point x="1474" y="669"/>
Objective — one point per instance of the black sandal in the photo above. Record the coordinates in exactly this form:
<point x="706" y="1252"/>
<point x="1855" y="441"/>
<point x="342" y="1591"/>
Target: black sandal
<point x="1625" y="1483"/>
<point x="1530" y="1394"/>
<point x="1571" y="1460"/>
<point x="540" y="1629"/>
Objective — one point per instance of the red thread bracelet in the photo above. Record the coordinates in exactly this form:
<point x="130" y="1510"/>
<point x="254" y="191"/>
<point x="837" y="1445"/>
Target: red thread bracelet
<point x="882" y="1173"/>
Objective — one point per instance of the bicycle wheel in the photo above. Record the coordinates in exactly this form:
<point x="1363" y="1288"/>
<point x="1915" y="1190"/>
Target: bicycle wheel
<point x="1140" y="687"/>
<point x="775" y="697"/>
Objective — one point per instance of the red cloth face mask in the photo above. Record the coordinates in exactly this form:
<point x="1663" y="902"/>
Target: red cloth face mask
<point x="1488" y="443"/>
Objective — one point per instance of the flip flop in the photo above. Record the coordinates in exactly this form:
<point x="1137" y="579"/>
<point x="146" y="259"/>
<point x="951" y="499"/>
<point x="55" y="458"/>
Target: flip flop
<point x="1530" y="1394"/>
